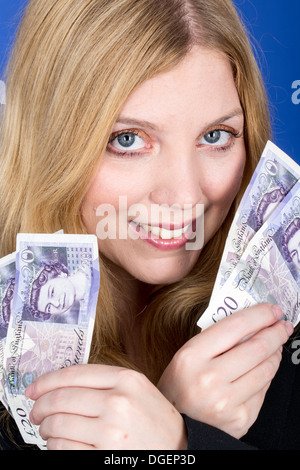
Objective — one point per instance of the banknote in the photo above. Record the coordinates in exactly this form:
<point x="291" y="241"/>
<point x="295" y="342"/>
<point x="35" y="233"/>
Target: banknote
<point x="51" y="325"/>
<point x="274" y="176"/>
<point x="268" y="270"/>
<point x="7" y="285"/>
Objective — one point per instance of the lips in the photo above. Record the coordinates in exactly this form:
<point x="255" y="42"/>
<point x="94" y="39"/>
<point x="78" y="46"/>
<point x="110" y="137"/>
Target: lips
<point x="159" y="236"/>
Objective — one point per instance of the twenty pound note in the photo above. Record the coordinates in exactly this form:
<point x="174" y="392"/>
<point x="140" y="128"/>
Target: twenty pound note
<point x="274" y="176"/>
<point x="269" y="269"/>
<point x="53" y="313"/>
<point x="7" y="286"/>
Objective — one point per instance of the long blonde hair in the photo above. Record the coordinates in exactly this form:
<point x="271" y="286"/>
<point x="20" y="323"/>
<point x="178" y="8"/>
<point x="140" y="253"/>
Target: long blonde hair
<point x="73" y="66"/>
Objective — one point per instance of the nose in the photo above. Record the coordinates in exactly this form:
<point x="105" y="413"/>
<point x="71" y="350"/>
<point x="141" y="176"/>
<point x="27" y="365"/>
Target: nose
<point x="177" y="179"/>
<point x="55" y="301"/>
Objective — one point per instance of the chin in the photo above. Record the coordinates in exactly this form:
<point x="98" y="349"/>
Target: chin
<point x="164" y="273"/>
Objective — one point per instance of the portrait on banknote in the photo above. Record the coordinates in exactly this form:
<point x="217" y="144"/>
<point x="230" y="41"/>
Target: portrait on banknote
<point x="291" y="245"/>
<point x="56" y="282"/>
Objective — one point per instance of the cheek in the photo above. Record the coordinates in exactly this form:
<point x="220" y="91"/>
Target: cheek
<point x="222" y="184"/>
<point x="104" y="190"/>
<point x="115" y="187"/>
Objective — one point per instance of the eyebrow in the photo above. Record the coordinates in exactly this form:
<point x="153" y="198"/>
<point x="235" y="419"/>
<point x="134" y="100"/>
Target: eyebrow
<point x="236" y="112"/>
<point x="135" y="122"/>
<point x="128" y="121"/>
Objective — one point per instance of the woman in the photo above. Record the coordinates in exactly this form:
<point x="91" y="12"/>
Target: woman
<point x="161" y="102"/>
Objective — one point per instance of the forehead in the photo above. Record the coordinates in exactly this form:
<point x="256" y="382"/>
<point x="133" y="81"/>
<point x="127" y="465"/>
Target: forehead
<point x="201" y="86"/>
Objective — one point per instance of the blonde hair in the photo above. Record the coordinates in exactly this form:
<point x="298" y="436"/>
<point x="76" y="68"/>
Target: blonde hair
<point x="73" y="66"/>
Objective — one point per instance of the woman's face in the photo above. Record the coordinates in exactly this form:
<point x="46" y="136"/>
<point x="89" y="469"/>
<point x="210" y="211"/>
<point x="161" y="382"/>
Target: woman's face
<point x="176" y="148"/>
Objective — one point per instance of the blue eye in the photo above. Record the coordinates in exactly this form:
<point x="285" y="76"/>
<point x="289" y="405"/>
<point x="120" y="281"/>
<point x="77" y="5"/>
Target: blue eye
<point x="127" y="141"/>
<point x="215" y="137"/>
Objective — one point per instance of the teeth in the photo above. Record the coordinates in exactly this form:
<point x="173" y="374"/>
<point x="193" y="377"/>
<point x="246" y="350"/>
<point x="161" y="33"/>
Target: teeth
<point x="164" y="233"/>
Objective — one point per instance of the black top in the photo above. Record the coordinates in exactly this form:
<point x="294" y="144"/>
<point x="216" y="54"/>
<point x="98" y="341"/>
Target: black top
<point x="277" y="426"/>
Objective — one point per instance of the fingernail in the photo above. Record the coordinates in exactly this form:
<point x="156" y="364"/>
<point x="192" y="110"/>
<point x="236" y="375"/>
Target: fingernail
<point x="31" y="418"/>
<point x="277" y="311"/>
<point x="289" y="328"/>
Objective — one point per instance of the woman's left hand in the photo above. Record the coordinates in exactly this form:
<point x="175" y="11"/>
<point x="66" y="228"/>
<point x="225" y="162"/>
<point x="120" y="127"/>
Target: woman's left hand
<point x="103" y="407"/>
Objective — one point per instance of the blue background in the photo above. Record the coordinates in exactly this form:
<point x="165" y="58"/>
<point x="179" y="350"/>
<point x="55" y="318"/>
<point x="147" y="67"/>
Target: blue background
<point x="276" y="38"/>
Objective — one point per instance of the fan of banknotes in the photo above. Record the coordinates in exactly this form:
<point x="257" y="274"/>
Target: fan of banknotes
<point x="48" y="297"/>
<point x="261" y="259"/>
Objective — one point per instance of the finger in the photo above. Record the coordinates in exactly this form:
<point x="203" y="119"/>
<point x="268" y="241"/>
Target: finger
<point x="72" y="400"/>
<point x="228" y="402"/>
<point x="256" y="380"/>
<point x="246" y="415"/>
<point x="70" y="427"/>
<point x="256" y="349"/>
<point x="88" y="432"/>
<point x="229" y="331"/>
<point x="65" y="444"/>
<point x="88" y="375"/>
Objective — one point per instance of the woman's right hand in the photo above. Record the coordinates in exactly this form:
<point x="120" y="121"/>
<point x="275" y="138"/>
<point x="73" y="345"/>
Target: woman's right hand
<point x="220" y="377"/>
